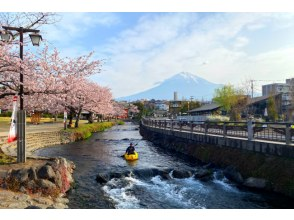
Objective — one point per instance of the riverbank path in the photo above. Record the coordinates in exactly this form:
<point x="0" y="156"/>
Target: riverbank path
<point x="31" y="128"/>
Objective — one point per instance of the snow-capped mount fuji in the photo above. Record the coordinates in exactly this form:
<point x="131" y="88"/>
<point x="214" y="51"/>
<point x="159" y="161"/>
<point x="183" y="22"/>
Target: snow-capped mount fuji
<point x="184" y="83"/>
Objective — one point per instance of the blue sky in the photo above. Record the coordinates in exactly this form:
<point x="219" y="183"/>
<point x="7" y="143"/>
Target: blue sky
<point x="141" y="49"/>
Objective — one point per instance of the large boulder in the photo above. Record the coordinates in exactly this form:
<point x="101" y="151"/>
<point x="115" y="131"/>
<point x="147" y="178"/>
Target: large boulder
<point x="232" y="174"/>
<point x="32" y="174"/>
<point x="180" y="174"/>
<point x="203" y="174"/>
<point x="46" y="172"/>
<point x="102" y="178"/>
<point x="146" y="173"/>
<point x="20" y="175"/>
<point x="165" y="174"/>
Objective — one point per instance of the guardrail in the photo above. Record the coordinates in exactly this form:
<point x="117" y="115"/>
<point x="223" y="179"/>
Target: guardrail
<point x="269" y="131"/>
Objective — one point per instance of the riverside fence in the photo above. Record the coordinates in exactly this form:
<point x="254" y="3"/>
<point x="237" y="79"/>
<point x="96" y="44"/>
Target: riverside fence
<point x="250" y="130"/>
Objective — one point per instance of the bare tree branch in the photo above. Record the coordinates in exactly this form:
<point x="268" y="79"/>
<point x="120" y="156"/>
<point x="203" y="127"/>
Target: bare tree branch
<point x="28" y="19"/>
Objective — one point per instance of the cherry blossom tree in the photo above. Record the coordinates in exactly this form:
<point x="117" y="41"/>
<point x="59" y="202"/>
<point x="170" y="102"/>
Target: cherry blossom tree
<point x="93" y="98"/>
<point x="51" y="83"/>
<point x="46" y="73"/>
<point x="133" y="110"/>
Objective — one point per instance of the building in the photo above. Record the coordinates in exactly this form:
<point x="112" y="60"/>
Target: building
<point x="202" y="113"/>
<point x="205" y="110"/>
<point x="161" y="105"/>
<point x="257" y="106"/>
<point x="175" y="106"/>
<point x="285" y="89"/>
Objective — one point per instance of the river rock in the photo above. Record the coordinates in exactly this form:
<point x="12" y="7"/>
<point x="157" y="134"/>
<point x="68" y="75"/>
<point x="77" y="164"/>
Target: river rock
<point x="146" y="173"/>
<point x="102" y="178"/>
<point x="32" y="174"/>
<point x="203" y="174"/>
<point x="219" y="175"/>
<point x="21" y="175"/>
<point x="32" y="185"/>
<point x="180" y="174"/>
<point x="116" y="175"/>
<point x="232" y="174"/>
<point x="257" y="183"/>
<point x="165" y="174"/>
<point x="46" y="184"/>
<point x="46" y="172"/>
<point x="58" y="179"/>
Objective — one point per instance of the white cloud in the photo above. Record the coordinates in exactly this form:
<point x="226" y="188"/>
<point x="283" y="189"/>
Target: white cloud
<point x="241" y="42"/>
<point x="77" y="25"/>
<point x="256" y="26"/>
<point x="152" y="31"/>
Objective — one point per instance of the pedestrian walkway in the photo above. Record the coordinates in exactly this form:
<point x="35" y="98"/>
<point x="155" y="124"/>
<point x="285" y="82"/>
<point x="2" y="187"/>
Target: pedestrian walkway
<point x="45" y="127"/>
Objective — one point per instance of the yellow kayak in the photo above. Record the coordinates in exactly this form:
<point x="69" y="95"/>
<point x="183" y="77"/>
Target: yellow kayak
<point x="131" y="156"/>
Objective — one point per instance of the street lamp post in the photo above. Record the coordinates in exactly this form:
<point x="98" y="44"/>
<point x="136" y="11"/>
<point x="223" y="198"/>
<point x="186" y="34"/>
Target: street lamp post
<point x="6" y="35"/>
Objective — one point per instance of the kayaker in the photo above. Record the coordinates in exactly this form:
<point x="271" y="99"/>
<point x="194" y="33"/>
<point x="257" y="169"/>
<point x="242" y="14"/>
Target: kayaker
<point x="130" y="149"/>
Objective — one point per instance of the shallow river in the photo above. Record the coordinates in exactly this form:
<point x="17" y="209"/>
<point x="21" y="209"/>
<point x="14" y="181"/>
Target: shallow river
<point x="102" y="154"/>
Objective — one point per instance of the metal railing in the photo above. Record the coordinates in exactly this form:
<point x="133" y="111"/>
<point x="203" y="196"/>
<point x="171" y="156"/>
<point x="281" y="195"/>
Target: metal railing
<point x="279" y="132"/>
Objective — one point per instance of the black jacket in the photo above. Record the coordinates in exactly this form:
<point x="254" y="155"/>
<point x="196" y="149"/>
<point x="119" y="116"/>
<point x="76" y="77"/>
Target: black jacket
<point x="130" y="150"/>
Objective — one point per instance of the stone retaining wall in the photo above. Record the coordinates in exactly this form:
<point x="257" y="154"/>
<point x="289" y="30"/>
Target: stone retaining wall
<point x="35" y="141"/>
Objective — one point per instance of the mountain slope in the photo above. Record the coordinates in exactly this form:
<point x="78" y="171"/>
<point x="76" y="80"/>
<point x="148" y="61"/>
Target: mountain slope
<point x="185" y="84"/>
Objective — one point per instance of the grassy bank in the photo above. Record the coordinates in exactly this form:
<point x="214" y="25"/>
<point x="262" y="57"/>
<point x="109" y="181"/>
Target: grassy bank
<point x="84" y="131"/>
<point x="5" y="159"/>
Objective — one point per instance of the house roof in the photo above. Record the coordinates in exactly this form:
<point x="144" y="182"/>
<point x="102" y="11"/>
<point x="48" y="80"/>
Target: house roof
<point x="259" y="99"/>
<point x="207" y="107"/>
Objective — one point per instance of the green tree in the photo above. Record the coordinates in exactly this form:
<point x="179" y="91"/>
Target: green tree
<point x="232" y="100"/>
<point x="143" y="110"/>
<point x="271" y="109"/>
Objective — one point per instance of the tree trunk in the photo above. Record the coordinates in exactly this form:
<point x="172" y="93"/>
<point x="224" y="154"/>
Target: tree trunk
<point x="91" y="118"/>
<point x="70" y="117"/>
<point x="78" y="118"/>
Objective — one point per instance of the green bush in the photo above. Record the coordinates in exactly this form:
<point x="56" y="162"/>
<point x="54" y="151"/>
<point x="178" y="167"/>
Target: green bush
<point x="5" y="159"/>
<point x="6" y="114"/>
<point x="119" y="122"/>
<point x="86" y="130"/>
<point x="47" y="115"/>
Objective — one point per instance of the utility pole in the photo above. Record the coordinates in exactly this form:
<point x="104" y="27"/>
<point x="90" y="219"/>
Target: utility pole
<point x="7" y="36"/>
<point x="251" y="88"/>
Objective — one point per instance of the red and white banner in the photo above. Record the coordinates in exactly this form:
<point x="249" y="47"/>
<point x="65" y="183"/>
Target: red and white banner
<point x="12" y="136"/>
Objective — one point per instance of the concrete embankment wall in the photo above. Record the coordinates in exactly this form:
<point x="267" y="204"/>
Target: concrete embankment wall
<point x="270" y="161"/>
